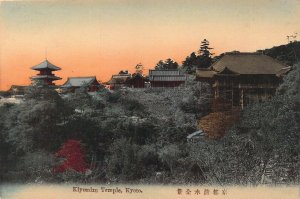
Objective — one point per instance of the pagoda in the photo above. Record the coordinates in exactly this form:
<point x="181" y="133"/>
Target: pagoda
<point x="45" y="72"/>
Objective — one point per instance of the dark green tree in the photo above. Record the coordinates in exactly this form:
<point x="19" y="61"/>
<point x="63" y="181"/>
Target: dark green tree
<point x="205" y="59"/>
<point x="201" y="60"/>
<point x="123" y="161"/>
<point x="168" y="64"/>
<point x="190" y="64"/>
<point x="288" y="54"/>
<point x="205" y="49"/>
<point x="35" y="124"/>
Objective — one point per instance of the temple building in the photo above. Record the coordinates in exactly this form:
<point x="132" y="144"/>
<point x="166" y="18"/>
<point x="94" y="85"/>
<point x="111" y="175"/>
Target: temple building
<point x="238" y="79"/>
<point x="137" y="80"/>
<point x="166" y="78"/>
<point x="45" y="74"/>
<point x="90" y="83"/>
<point x="120" y="80"/>
<point x="16" y="90"/>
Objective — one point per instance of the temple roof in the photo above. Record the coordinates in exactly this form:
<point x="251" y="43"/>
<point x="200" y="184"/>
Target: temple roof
<point x="165" y="72"/>
<point x="284" y="71"/>
<point x="248" y="63"/>
<point x="17" y="88"/>
<point x="168" y="78"/>
<point x="46" y="77"/>
<point x="167" y="75"/>
<point x="118" y="80"/>
<point x="79" y="81"/>
<point x="205" y="73"/>
<point x="45" y="65"/>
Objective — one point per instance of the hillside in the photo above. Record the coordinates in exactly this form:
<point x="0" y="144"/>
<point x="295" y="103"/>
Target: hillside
<point x="288" y="53"/>
<point x="140" y="136"/>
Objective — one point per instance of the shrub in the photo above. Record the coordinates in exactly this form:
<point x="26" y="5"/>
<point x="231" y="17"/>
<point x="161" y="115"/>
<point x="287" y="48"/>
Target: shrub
<point x="74" y="156"/>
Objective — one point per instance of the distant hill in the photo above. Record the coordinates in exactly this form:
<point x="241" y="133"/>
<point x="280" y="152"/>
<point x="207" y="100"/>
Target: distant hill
<point x="288" y="54"/>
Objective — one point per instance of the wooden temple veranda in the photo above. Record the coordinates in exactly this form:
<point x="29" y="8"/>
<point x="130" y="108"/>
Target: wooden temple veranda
<point x="238" y="79"/>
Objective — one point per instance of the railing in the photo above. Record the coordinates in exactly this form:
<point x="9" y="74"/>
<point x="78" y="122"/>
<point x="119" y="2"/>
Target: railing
<point x="257" y="86"/>
<point x="233" y="85"/>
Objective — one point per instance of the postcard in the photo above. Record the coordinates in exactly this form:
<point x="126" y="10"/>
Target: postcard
<point x="173" y="99"/>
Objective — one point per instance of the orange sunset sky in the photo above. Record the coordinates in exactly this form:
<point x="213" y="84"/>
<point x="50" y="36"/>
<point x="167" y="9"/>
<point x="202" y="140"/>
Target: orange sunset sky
<point x="102" y="37"/>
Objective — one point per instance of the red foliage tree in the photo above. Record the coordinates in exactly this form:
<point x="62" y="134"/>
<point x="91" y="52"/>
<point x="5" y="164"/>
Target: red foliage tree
<point x="74" y="155"/>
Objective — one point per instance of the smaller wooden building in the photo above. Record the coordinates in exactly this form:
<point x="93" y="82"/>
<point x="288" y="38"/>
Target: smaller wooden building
<point x="17" y="90"/>
<point x="119" y="81"/>
<point x="90" y="83"/>
<point x="166" y="78"/>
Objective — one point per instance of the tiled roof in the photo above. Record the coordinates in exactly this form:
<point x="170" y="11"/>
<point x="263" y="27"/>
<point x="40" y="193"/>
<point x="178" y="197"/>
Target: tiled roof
<point x="167" y="78"/>
<point x="119" y="78"/>
<point x="165" y="72"/>
<point x="46" y="77"/>
<point x="167" y="75"/>
<point x="44" y="65"/>
<point x="79" y="81"/>
<point x="205" y="73"/>
<point x="283" y="71"/>
<point x="248" y="63"/>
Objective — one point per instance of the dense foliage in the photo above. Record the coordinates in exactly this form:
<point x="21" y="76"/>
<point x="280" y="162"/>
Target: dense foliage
<point x="201" y="59"/>
<point x="127" y="134"/>
<point x="167" y="64"/>
<point x="288" y="54"/>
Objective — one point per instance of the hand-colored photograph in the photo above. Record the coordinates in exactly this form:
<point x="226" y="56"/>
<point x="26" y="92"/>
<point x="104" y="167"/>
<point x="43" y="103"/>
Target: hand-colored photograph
<point x="150" y="99"/>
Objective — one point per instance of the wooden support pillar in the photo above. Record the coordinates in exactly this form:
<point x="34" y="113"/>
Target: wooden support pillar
<point x="242" y="99"/>
<point x="231" y="94"/>
<point x="215" y="93"/>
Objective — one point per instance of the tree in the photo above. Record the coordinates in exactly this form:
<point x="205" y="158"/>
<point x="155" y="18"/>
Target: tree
<point x="190" y="63"/>
<point x="160" y="65"/>
<point x="123" y="72"/>
<point x="288" y="54"/>
<point x="123" y="162"/>
<point x="168" y="64"/>
<point x="205" y="49"/>
<point x="205" y="59"/>
<point x="139" y="68"/>
<point x="74" y="155"/>
<point x="36" y="123"/>
<point x="202" y="60"/>
<point x="169" y="155"/>
<point x="6" y="157"/>
<point x="36" y="166"/>
<point x="80" y="100"/>
<point x="42" y="92"/>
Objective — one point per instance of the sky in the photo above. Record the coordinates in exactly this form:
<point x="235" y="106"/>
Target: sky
<point x="87" y="38"/>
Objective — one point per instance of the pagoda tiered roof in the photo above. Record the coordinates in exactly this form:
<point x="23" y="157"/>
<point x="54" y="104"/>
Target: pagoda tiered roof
<point x="52" y="77"/>
<point x="45" y="74"/>
<point x="45" y="65"/>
